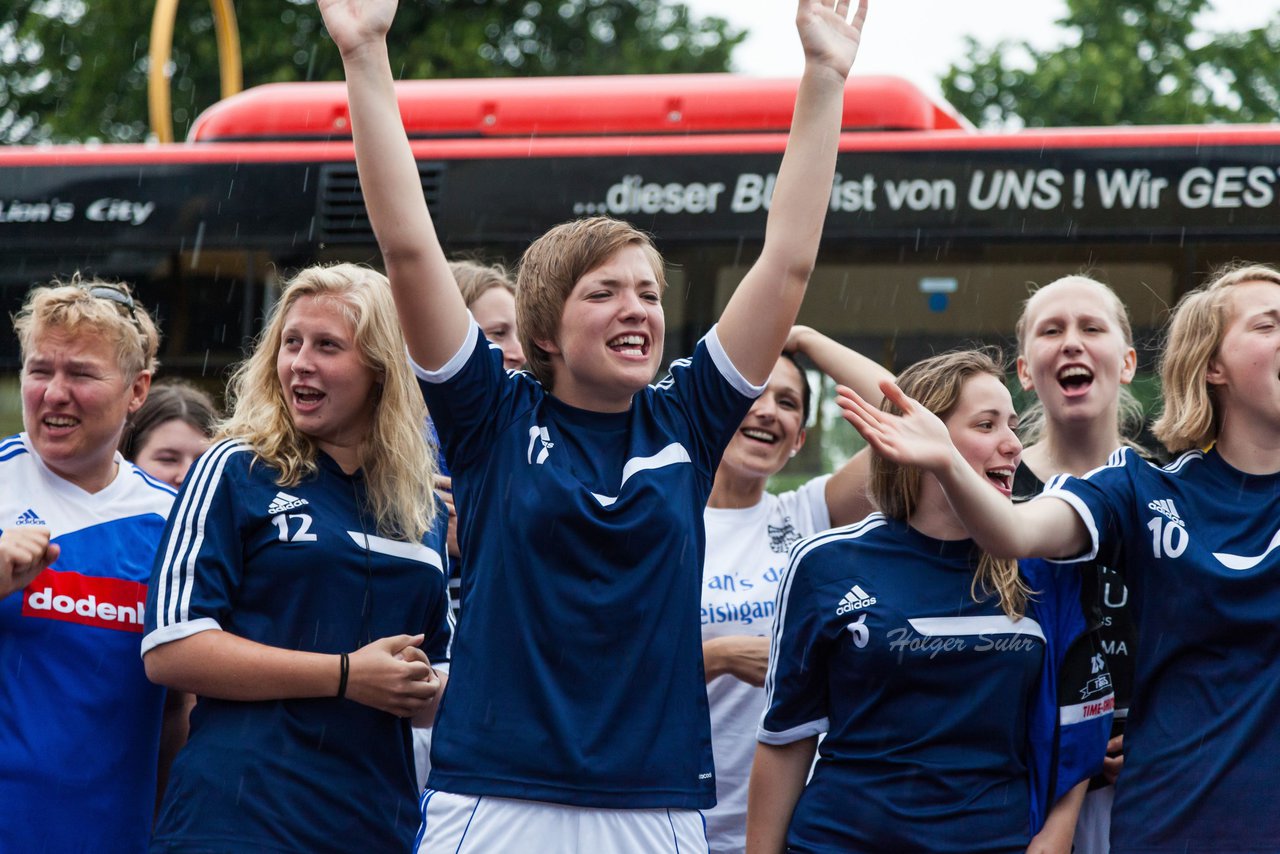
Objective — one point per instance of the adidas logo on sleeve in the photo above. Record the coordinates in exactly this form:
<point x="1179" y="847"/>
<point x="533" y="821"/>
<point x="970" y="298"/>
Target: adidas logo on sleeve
<point x="283" y="502"/>
<point x="855" y="600"/>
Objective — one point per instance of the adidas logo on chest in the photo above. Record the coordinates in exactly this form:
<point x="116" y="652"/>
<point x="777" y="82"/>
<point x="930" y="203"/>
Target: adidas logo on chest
<point x="30" y="517"/>
<point x="855" y="600"/>
<point x="284" y="502"/>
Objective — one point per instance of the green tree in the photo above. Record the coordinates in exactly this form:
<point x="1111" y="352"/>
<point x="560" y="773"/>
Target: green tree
<point x="1124" y="62"/>
<point x="76" y="70"/>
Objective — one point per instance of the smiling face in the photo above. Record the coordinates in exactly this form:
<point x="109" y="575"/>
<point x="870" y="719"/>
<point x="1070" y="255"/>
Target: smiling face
<point x="1075" y="355"/>
<point x="774" y="427"/>
<point x="495" y="312"/>
<point x="982" y="425"/>
<point x="609" y="345"/>
<point x="170" y="449"/>
<point x="1245" y="372"/>
<point x="329" y="391"/>
<point x="75" y="399"/>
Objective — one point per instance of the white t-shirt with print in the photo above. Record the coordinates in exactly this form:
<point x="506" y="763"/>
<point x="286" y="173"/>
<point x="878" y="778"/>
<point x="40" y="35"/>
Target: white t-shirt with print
<point x="746" y="554"/>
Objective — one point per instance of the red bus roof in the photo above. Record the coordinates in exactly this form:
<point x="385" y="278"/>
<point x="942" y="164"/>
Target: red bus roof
<point x="1049" y="139"/>
<point x="571" y="106"/>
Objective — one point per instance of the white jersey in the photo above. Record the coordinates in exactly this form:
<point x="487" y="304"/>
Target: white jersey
<point x="746" y="555"/>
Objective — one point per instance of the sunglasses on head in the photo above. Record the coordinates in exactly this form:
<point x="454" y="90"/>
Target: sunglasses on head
<point x="119" y="296"/>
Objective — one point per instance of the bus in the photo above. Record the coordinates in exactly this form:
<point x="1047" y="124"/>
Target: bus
<point x="934" y="231"/>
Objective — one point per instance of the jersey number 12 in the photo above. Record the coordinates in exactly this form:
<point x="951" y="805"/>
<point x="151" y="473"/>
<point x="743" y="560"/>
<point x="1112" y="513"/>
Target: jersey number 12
<point x="304" y="526"/>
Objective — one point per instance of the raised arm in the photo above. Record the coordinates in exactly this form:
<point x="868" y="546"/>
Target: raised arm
<point x="432" y="313"/>
<point x="847" y="367"/>
<point x="846" y="491"/>
<point x="1047" y="528"/>
<point x="760" y="313"/>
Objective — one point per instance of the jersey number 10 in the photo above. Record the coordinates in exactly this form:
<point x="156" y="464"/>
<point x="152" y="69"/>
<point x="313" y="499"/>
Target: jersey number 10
<point x="1168" y="540"/>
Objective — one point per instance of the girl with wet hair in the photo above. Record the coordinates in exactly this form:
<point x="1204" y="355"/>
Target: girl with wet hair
<point x="300" y="588"/>
<point x="1075" y="352"/>
<point x="1198" y="540"/>
<point x="919" y="655"/>
<point x="577" y="710"/>
<point x="749" y="533"/>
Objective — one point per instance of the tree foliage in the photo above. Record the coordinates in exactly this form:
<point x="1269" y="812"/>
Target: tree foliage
<point x="76" y="70"/>
<point x="1125" y="62"/>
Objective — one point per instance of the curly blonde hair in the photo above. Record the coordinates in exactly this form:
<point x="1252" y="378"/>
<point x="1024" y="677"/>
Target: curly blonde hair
<point x="936" y="384"/>
<point x="73" y="307"/>
<point x="399" y="465"/>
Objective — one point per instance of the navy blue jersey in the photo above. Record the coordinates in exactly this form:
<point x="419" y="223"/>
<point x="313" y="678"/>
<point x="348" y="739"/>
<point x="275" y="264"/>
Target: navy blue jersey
<point x="577" y="675"/>
<point x="1198" y="541"/>
<point x="79" y="722"/>
<point x="300" y="568"/>
<point x="1096" y="658"/>
<point x="923" y="693"/>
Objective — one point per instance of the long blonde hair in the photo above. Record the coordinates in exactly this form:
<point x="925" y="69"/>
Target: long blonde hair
<point x="1190" y="417"/>
<point x="399" y="466"/>
<point x="1032" y="422"/>
<point x="936" y="384"/>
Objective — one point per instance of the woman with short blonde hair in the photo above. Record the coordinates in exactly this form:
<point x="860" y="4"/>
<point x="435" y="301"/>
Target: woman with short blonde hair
<point x="79" y="526"/>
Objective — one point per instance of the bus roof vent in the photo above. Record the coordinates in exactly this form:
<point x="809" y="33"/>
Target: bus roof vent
<point x="340" y="211"/>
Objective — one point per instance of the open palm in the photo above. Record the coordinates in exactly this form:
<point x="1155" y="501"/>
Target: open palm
<point x="917" y="437"/>
<point x="829" y="35"/>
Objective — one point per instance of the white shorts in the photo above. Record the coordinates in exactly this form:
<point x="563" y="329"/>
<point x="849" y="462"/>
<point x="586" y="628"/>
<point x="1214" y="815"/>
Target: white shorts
<point x="467" y="824"/>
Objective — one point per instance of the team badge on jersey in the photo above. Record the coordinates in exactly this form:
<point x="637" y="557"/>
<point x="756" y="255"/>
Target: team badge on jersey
<point x="783" y="537"/>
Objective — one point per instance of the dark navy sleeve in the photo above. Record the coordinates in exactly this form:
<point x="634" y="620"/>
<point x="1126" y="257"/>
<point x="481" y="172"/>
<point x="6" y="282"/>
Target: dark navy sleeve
<point x="199" y="564"/>
<point x="712" y="396"/>
<point x="438" y="626"/>
<point x="1103" y="499"/>
<point x="471" y="398"/>
<point x="796" y="681"/>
